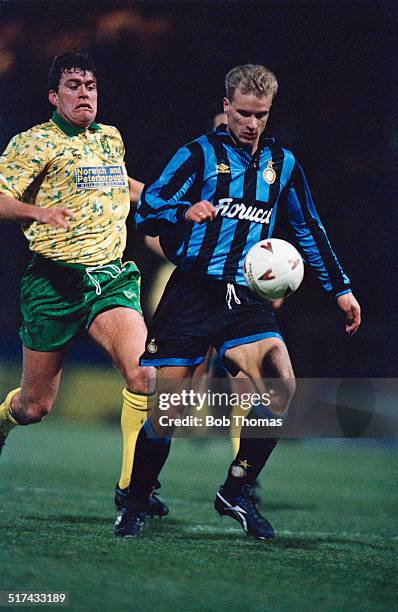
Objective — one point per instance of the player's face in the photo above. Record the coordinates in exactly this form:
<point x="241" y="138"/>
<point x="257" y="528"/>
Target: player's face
<point x="76" y="98"/>
<point x="247" y="116"/>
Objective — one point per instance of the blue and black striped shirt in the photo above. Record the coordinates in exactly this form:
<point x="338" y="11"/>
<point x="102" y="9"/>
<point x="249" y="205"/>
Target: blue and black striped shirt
<point x="249" y="193"/>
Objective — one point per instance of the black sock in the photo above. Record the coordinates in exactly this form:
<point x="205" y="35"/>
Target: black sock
<point x="150" y="455"/>
<point x="250" y="460"/>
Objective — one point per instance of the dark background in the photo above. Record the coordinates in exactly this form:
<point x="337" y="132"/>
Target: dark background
<point x="161" y="67"/>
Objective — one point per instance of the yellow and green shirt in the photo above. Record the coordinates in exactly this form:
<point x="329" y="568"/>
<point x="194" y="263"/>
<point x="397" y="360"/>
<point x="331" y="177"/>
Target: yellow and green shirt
<point x="59" y="164"/>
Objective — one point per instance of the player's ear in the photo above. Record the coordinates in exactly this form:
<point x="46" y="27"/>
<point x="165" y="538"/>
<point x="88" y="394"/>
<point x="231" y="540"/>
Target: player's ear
<point x="226" y="105"/>
<point x="53" y="97"/>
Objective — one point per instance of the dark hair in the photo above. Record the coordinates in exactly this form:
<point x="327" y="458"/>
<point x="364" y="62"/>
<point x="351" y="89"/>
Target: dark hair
<point x="68" y="62"/>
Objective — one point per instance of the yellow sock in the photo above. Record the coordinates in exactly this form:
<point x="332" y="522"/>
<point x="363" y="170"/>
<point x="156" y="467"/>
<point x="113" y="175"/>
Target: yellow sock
<point x="235" y="442"/>
<point x="7" y="421"/>
<point x="234" y="430"/>
<point x="134" y="413"/>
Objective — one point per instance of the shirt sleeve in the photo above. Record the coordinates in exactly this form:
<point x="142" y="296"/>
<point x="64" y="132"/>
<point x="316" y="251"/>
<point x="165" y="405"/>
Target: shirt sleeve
<point x="164" y="202"/>
<point x="311" y="236"/>
<point x="23" y="160"/>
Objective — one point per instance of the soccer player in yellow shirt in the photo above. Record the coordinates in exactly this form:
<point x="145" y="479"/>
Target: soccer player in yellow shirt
<point x="66" y="182"/>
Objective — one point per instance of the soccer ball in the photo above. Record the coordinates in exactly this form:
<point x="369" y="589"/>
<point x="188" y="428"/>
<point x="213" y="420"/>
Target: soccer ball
<point x="273" y="268"/>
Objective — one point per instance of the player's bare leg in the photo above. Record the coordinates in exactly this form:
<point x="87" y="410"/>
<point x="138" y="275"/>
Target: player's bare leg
<point x="237" y="498"/>
<point x="170" y="377"/>
<point x="41" y="375"/>
<point x="121" y="332"/>
<point x="267" y="358"/>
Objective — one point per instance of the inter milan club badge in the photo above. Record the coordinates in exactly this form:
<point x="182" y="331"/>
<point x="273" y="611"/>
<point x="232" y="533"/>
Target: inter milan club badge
<point x="152" y="347"/>
<point x="269" y="174"/>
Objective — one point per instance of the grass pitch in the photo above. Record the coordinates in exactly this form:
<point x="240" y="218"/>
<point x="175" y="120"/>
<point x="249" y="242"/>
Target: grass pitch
<point x="333" y="506"/>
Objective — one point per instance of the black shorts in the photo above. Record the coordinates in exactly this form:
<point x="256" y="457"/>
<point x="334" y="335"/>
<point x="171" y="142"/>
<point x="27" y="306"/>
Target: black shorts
<point x="195" y="313"/>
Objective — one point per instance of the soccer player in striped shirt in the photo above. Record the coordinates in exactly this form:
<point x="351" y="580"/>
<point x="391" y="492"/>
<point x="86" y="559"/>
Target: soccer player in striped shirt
<point x="216" y="198"/>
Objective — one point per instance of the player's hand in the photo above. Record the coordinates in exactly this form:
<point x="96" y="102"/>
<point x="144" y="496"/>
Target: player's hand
<point x="56" y="217"/>
<point x="352" y="311"/>
<point x="201" y="212"/>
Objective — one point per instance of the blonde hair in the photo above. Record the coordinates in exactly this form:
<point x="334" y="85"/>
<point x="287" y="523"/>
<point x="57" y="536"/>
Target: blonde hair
<point x="251" y="79"/>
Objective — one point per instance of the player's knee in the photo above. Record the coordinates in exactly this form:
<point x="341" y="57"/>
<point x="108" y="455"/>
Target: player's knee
<point x="32" y="410"/>
<point x="281" y="392"/>
<point x="141" y="379"/>
<point x="290" y="385"/>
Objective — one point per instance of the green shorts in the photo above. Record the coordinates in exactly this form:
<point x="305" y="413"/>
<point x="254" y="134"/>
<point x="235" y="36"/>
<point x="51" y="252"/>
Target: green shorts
<point x="58" y="300"/>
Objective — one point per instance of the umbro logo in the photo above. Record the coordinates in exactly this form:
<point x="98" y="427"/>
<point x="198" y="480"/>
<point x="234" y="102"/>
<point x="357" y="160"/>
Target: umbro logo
<point x="223" y="169"/>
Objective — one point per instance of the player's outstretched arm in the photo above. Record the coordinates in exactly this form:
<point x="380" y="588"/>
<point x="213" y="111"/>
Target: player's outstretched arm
<point x="14" y="210"/>
<point x="200" y="212"/>
<point x="135" y="189"/>
<point x="352" y="311"/>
